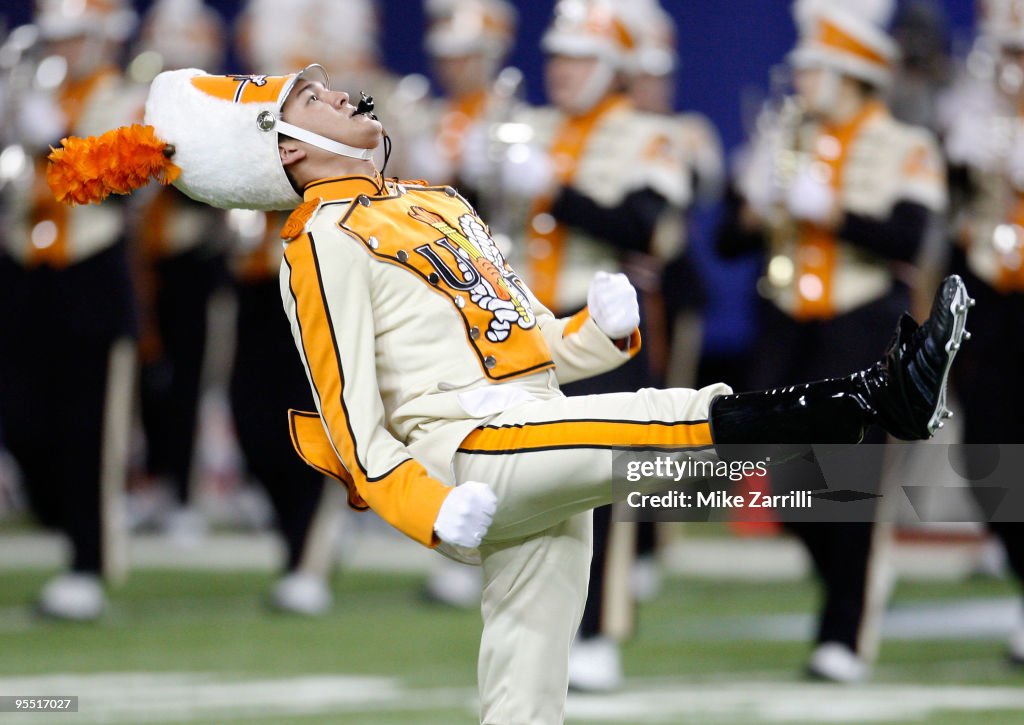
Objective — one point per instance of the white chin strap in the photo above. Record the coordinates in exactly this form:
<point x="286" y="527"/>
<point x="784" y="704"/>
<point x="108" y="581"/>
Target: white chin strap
<point x="321" y="142"/>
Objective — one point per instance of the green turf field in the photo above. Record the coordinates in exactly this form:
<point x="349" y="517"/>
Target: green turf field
<point x="200" y="648"/>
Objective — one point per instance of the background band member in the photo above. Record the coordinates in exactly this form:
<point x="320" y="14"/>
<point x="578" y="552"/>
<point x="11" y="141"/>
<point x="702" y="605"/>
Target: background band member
<point x="180" y="249"/>
<point x="840" y="196"/>
<point x="984" y="140"/>
<point x="67" y="333"/>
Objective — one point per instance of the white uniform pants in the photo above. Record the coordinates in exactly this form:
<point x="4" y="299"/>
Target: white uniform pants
<point x="550" y="463"/>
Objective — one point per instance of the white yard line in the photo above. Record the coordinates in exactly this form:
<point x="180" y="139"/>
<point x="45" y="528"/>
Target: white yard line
<point x="185" y="697"/>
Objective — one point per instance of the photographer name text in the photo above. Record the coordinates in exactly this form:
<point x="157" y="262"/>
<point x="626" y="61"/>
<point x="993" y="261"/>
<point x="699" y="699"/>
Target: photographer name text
<point x="719" y="500"/>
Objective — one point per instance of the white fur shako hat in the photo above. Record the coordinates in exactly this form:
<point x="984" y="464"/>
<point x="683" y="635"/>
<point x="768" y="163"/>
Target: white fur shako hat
<point x="212" y="136"/>
<point x="590" y="29"/>
<point x="224" y="133"/>
<point x="850" y="44"/>
<point x="468" y="27"/>
<point x="655" y="33"/>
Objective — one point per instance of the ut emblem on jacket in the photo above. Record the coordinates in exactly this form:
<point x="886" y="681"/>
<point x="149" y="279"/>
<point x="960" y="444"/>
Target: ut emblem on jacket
<point x="481" y="271"/>
<point x="435" y="234"/>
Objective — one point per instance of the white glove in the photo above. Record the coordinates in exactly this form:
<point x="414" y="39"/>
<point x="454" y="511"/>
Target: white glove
<point x="972" y="140"/>
<point x="527" y="171"/>
<point x="810" y="198"/>
<point x="466" y="514"/>
<point x="612" y="303"/>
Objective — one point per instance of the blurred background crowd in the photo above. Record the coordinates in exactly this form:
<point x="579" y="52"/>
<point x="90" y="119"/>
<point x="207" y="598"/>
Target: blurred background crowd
<point x="779" y="181"/>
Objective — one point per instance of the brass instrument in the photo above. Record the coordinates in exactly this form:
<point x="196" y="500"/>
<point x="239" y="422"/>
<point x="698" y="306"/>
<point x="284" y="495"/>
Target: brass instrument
<point x="502" y="132"/>
<point x="784" y="124"/>
<point x="21" y="65"/>
<point x="19" y="61"/>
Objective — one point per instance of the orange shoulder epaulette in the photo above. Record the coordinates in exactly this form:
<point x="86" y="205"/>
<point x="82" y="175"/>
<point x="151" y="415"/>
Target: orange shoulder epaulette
<point x="296" y="222"/>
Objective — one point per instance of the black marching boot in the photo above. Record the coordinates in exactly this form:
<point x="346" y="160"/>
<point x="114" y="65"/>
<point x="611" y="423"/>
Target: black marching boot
<point x="904" y="393"/>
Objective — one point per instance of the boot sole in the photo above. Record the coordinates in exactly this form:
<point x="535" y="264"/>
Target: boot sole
<point x="958" y="307"/>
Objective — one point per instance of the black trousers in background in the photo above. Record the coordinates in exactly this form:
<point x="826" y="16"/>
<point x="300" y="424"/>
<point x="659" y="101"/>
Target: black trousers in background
<point x="170" y="384"/>
<point x="267" y="380"/>
<point x="790" y="352"/>
<point x="56" y="334"/>
<point x="987" y="376"/>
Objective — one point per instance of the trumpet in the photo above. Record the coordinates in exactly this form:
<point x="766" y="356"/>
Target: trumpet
<point x="788" y="156"/>
<point x="502" y="132"/>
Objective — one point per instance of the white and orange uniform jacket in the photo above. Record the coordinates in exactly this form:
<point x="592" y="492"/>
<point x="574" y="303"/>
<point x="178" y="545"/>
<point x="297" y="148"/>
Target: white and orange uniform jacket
<point x="605" y="155"/>
<point x="44" y="231"/>
<point x="873" y="163"/>
<point x="414" y="330"/>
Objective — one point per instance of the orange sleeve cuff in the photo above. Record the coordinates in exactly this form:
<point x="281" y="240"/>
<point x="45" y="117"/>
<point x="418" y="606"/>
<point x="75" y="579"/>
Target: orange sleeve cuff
<point x="406" y="497"/>
<point x="409" y="499"/>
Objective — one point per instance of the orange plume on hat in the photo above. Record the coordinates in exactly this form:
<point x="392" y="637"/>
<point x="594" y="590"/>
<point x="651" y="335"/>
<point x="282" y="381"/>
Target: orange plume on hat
<point x="88" y="170"/>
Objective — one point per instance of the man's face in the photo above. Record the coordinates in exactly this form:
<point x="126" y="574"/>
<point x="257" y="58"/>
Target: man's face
<point x="461" y="75"/>
<point x="564" y="77"/>
<point x="329" y="113"/>
<point x="818" y="88"/>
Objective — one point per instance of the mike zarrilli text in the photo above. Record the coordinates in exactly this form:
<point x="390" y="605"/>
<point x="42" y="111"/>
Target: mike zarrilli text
<point x="719" y="500"/>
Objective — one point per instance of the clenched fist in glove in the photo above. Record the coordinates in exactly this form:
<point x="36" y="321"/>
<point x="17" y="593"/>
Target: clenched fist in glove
<point x="466" y="514"/>
<point x="612" y="303"/>
<point x="811" y="199"/>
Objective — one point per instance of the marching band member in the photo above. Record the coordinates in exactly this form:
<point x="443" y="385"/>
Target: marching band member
<point x="841" y="196"/>
<point x="467" y="41"/>
<point x="180" y="262"/>
<point x="984" y="140"/>
<point x="67" y="333"/>
<point x="673" y="333"/>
